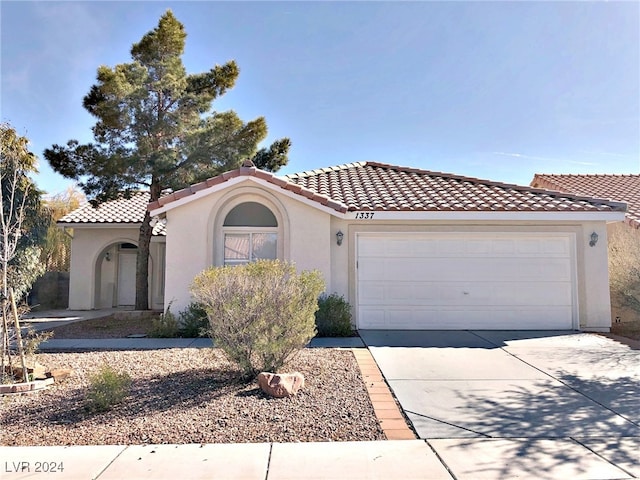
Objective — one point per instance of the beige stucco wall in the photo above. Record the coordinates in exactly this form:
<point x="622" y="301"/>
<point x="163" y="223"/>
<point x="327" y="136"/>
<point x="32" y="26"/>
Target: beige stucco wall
<point x="307" y="236"/>
<point x="590" y="263"/>
<point x="597" y="302"/>
<point x="195" y="236"/>
<point x="93" y="279"/>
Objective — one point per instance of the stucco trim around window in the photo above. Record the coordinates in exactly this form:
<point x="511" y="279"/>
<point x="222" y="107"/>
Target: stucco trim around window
<point x="233" y="199"/>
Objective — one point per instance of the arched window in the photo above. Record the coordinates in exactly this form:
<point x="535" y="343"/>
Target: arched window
<point x="250" y="233"/>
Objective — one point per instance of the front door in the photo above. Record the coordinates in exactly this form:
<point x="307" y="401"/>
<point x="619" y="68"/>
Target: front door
<point x="127" y="279"/>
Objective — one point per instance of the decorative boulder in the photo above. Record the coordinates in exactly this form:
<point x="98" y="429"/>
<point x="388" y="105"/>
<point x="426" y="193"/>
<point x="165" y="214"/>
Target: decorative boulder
<point x="59" y="374"/>
<point x="280" y="385"/>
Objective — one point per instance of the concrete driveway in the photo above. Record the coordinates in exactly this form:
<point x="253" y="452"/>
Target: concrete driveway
<point x="521" y="389"/>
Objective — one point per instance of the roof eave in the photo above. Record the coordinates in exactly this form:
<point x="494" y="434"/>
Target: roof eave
<point x="98" y="224"/>
<point x="276" y="185"/>
<point x="476" y="215"/>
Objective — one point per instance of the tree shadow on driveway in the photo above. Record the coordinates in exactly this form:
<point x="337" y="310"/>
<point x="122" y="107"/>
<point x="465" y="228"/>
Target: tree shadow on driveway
<point x="541" y="425"/>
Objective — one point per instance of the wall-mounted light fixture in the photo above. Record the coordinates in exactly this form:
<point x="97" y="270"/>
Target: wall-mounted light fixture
<point x="107" y="256"/>
<point x="339" y="237"/>
<point x="594" y="239"/>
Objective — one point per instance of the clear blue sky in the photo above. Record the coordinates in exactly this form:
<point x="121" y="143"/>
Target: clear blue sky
<point x="492" y="90"/>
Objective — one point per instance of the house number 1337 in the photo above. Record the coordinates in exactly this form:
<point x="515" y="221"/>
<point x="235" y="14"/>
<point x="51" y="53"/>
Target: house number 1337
<point x="364" y="215"/>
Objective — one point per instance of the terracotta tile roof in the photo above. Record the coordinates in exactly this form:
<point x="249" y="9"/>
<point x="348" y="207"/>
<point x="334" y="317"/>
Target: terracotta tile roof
<point x="376" y="186"/>
<point x="122" y="210"/>
<point x="369" y="186"/>
<point x="248" y="169"/>
<point x="624" y="188"/>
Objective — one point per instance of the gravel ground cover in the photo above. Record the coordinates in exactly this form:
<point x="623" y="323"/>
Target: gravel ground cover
<point x="192" y="396"/>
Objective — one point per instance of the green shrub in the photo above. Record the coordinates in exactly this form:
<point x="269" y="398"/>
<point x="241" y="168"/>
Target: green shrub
<point x="107" y="388"/>
<point x="32" y="340"/>
<point x="166" y="326"/>
<point x="260" y="313"/>
<point x="193" y="321"/>
<point x="333" y="318"/>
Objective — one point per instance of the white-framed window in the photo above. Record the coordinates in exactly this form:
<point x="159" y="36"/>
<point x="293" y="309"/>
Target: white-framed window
<point x="250" y="246"/>
<point x="250" y="234"/>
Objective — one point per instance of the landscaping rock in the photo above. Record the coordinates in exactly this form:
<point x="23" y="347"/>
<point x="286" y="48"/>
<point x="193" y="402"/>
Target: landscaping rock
<point x="38" y="371"/>
<point x="280" y="385"/>
<point x="34" y="370"/>
<point x="202" y="389"/>
<point x="59" y="374"/>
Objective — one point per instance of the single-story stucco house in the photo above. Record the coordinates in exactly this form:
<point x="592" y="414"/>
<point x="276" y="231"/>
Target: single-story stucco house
<point x="408" y="248"/>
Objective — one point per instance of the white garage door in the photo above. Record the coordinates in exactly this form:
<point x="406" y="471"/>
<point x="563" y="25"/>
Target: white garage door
<point x="465" y="281"/>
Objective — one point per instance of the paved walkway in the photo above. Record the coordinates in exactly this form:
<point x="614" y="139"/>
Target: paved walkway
<point x="48" y="319"/>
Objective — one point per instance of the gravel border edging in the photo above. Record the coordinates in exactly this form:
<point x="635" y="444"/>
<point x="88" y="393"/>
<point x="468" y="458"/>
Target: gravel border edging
<point x="394" y="424"/>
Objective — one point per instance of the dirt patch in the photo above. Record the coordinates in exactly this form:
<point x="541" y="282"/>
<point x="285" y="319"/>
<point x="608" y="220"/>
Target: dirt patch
<point x="627" y="329"/>
<point x="192" y="396"/>
<point x="625" y="321"/>
<point x="113" y="326"/>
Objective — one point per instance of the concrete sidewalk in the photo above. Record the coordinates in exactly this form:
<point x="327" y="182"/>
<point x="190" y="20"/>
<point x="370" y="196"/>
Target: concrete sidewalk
<point x="401" y="459"/>
<point x="50" y="319"/>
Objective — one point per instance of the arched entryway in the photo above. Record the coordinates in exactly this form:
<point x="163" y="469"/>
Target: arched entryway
<point x="115" y="276"/>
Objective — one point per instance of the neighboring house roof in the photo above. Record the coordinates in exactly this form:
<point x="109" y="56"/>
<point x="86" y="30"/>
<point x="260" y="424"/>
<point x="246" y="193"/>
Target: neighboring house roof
<point x="380" y="187"/>
<point x="121" y="211"/>
<point x="617" y="187"/>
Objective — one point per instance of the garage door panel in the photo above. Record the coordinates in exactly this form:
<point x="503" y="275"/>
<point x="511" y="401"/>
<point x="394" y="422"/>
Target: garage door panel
<point x="371" y="293"/>
<point x="375" y="246"/>
<point x="542" y="269"/>
<point x="404" y="293"/>
<point x="465" y="281"/>
<point x="403" y="269"/>
<point x="464" y="293"/>
<point x="457" y="293"/>
<point x="511" y="319"/>
<point x="376" y="317"/>
<point x="473" y="269"/>
<point x="530" y="293"/>
<point x="556" y="246"/>
<point x="459" y="319"/>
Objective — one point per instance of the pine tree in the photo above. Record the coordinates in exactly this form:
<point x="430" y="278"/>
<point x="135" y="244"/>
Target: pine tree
<point x="155" y="130"/>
